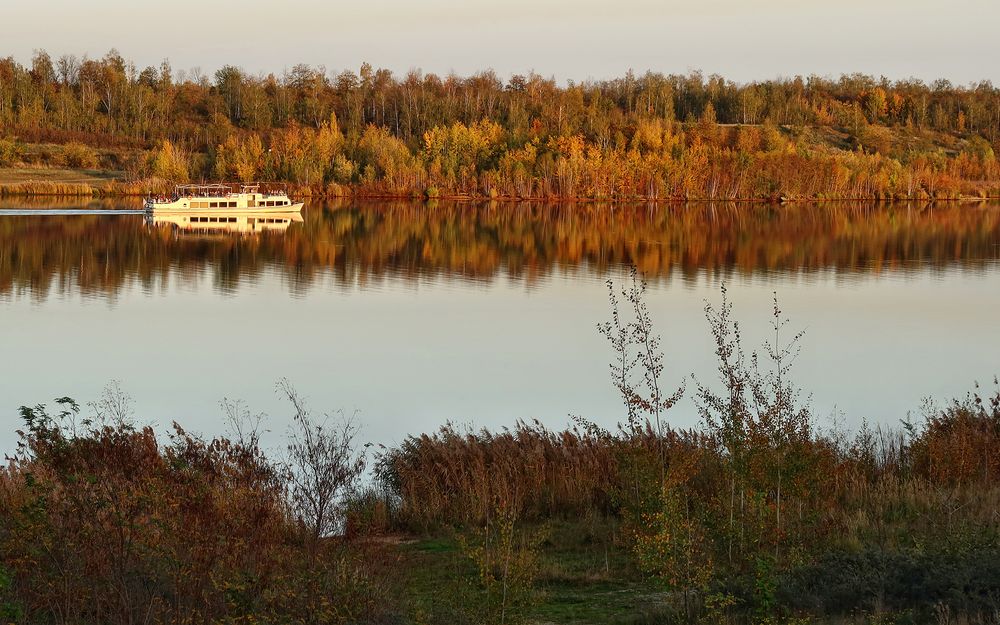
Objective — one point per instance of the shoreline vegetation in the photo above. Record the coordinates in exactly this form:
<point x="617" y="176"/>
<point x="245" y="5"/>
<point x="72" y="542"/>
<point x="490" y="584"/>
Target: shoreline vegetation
<point x="371" y="134"/>
<point x="759" y="515"/>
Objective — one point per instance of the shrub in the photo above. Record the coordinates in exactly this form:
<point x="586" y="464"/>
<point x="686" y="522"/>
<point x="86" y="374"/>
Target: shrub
<point x="104" y="523"/>
<point x="873" y="580"/>
<point x="506" y="561"/>
<point x="10" y="152"/>
<point x="960" y="443"/>
<point x="80" y="156"/>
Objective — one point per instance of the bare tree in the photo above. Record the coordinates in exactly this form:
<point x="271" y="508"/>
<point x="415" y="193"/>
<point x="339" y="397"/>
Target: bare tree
<point x="114" y="407"/>
<point x="244" y="426"/>
<point x="323" y="465"/>
<point x="637" y="346"/>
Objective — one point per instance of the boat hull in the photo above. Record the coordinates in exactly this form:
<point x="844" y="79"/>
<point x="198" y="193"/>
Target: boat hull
<point x="177" y="207"/>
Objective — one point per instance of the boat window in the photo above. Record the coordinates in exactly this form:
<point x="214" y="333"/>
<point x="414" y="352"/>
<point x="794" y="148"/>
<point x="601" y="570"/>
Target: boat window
<point x="232" y="205"/>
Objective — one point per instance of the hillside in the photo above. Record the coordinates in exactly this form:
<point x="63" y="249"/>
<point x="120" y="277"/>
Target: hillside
<point x="371" y="133"/>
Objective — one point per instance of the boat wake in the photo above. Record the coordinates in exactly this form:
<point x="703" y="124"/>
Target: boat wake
<point x="58" y="212"/>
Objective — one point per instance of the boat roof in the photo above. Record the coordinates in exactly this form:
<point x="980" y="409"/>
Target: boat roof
<point x="224" y="188"/>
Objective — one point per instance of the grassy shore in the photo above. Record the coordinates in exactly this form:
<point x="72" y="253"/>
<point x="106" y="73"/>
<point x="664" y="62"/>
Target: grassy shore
<point x="538" y="528"/>
<point x="29" y="181"/>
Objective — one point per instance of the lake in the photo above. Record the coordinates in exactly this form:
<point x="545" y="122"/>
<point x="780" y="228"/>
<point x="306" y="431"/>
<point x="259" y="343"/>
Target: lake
<point x="415" y="314"/>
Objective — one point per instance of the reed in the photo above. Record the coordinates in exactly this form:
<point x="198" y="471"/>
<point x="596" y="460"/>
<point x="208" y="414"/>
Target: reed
<point x="454" y="476"/>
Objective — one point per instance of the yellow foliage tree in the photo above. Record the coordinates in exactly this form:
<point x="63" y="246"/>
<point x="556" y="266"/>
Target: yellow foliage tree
<point x="170" y="163"/>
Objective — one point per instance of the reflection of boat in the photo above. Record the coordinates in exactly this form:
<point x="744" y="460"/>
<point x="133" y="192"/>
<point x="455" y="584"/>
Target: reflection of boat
<point x="223" y="221"/>
<point x="220" y="197"/>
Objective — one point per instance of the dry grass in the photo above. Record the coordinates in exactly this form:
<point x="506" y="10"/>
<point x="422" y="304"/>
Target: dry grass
<point x="47" y="188"/>
<point x="39" y="181"/>
<point x="92" y="177"/>
<point x="24" y="181"/>
<point x="453" y="475"/>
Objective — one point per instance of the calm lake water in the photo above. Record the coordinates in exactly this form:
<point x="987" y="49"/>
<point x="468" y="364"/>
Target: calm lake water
<point x="415" y="315"/>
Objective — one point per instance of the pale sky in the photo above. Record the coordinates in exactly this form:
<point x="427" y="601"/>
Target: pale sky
<point x="568" y="39"/>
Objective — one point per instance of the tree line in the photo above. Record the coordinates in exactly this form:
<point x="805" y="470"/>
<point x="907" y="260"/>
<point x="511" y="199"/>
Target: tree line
<point x="649" y="135"/>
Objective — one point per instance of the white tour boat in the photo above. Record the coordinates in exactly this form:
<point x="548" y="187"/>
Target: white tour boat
<point x="210" y="198"/>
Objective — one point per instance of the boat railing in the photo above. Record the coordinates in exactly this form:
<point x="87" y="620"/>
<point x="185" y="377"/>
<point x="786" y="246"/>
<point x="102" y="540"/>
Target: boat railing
<point x="202" y="190"/>
<point x="223" y="189"/>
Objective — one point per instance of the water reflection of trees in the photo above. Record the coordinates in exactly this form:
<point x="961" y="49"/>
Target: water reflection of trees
<point x="358" y="243"/>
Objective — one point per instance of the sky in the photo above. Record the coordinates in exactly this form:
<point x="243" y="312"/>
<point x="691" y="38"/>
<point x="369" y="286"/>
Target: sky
<point x="742" y="40"/>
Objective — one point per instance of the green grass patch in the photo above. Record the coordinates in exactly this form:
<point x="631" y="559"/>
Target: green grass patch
<point x="586" y="576"/>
